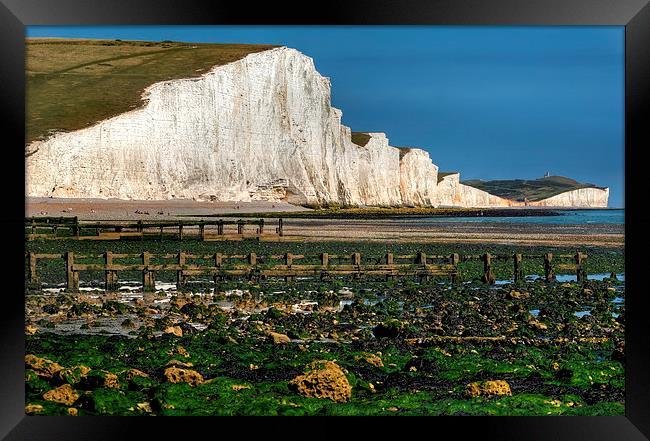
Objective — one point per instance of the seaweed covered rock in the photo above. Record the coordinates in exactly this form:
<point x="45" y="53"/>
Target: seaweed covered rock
<point x="73" y="375"/>
<point x="323" y="379"/>
<point x="488" y="388"/>
<point x="278" y="339"/>
<point x="388" y="329"/>
<point x="63" y="394"/>
<point x="189" y="376"/>
<point x="42" y="366"/>
<point x="370" y="358"/>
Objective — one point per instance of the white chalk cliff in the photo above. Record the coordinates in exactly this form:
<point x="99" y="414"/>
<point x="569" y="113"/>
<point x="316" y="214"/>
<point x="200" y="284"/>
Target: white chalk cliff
<point x="260" y="128"/>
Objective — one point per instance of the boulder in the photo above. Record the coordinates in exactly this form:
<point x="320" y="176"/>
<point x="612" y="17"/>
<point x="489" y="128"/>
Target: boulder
<point x="323" y="379"/>
<point x="42" y="366"/>
<point x="189" y="376"/>
<point x="278" y="339"/>
<point x="63" y="394"/>
<point x="488" y="388"/>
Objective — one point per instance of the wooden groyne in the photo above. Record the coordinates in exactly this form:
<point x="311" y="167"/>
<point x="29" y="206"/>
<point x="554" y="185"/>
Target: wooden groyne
<point x="289" y="266"/>
<point x="71" y="228"/>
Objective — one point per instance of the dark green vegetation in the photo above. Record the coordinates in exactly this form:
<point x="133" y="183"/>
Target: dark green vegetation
<point x="600" y="260"/>
<point x="389" y="338"/>
<point x="554" y="361"/>
<point x="104" y="78"/>
<point x="528" y="189"/>
<point x="360" y="138"/>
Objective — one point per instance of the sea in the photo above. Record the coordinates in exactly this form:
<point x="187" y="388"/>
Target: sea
<point x="566" y="217"/>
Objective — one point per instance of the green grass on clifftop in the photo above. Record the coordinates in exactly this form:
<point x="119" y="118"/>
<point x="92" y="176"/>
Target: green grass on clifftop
<point x="74" y="83"/>
<point x="533" y="190"/>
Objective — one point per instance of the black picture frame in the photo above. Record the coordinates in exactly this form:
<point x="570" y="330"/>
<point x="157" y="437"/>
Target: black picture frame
<point x="633" y="14"/>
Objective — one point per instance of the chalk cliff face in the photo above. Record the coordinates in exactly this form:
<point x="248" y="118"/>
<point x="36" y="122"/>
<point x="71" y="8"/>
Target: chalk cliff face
<point x="260" y="128"/>
<point x="582" y="197"/>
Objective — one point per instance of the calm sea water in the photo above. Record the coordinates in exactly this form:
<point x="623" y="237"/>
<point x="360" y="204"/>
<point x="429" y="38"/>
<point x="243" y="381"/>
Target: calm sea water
<point x="568" y="217"/>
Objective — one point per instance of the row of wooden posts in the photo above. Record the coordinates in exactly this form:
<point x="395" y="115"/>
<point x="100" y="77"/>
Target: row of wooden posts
<point x="73" y="225"/>
<point x="419" y="265"/>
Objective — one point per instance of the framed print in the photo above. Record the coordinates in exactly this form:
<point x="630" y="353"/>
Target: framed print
<point x="413" y="211"/>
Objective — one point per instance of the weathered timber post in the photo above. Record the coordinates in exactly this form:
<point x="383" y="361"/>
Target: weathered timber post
<point x="54" y="228"/>
<point x="288" y="261"/>
<point x="356" y="261"/>
<point x="33" y="226"/>
<point x="140" y="226"/>
<point x="252" y="261"/>
<point x="180" y="230"/>
<point x="180" y="279"/>
<point x="488" y="276"/>
<point x="148" y="281"/>
<point x="220" y="228"/>
<point x="455" y="259"/>
<point x="548" y="267"/>
<point x="518" y="270"/>
<point x="202" y="231"/>
<point x="161" y="233"/>
<point x="280" y="232"/>
<point x="218" y="258"/>
<point x="32" y="277"/>
<point x="240" y="227"/>
<point x="261" y="226"/>
<point x="75" y="227"/>
<point x="71" y="276"/>
<point x="389" y="262"/>
<point x="324" y="261"/>
<point x="110" y="275"/>
<point x="422" y="260"/>
<point x="581" y="274"/>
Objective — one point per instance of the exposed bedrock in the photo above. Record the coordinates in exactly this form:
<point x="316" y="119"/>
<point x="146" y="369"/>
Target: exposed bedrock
<point x="260" y="128"/>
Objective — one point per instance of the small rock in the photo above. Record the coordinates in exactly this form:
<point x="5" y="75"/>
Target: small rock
<point x="176" y="330"/>
<point x="34" y="408"/>
<point x="392" y="409"/>
<point x="279" y="339"/>
<point x="30" y="330"/>
<point x="42" y="366"/>
<point x="132" y="373"/>
<point x="516" y="295"/>
<point x="176" y="375"/>
<point x="370" y="359"/>
<point x="63" y="394"/>
<point x="239" y="387"/>
<point x="73" y="411"/>
<point x="145" y="407"/>
<point x="488" y="388"/>
<point x="324" y="379"/>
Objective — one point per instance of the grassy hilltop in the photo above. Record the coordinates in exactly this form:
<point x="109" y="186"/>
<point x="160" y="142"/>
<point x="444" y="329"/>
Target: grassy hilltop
<point x="533" y="190"/>
<point x="74" y="83"/>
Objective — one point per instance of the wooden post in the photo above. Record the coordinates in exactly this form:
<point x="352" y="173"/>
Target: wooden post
<point x="548" y="267"/>
<point x="140" y="226"/>
<point x="280" y="225"/>
<point x="32" y="276"/>
<point x="71" y="276"/>
<point x="356" y="260"/>
<point x="33" y="226"/>
<point x="161" y="233"/>
<point x="202" y="231"/>
<point x="288" y="261"/>
<point x="110" y="275"/>
<point x="324" y="261"/>
<point x="54" y="228"/>
<point x="148" y="281"/>
<point x="218" y="258"/>
<point x="261" y="226"/>
<point x="252" y="261"/>
<point x="180" y="231"/>
<point x="518" y="270"/>
<point x="389" y="261"/>
<point x="180" y="279"/>
<point x="455" y="260"/>
<point x="488" y="277"/>
<point x="75" y="227"/>
<point x="422" y="260"/>
<point x="581" y="275"/>
<point x="240" y="227"/>
<point x="220" y="228"/>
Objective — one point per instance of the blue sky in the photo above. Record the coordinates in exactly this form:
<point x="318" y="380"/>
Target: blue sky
<point x="493" y="102"/>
